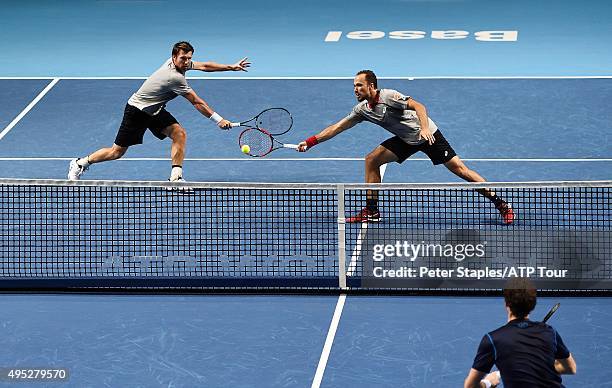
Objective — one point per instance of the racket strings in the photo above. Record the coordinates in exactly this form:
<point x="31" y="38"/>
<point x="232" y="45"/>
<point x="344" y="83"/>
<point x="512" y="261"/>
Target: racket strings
<point x="277" y="121"/>
<point x="259" y="142"/>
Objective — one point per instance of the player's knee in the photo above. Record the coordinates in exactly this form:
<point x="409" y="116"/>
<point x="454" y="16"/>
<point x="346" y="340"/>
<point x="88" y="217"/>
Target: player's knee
<point x="460" y="169"/>
<point x="118" y="152"/>
<point x="182" y="135"/>
<point x="179" y="135"/>
<point x="373" y="160"/>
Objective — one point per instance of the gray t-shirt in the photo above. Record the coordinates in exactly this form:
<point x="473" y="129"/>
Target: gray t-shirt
<point x="391" y="113"/>
<point x="162" y="86"/>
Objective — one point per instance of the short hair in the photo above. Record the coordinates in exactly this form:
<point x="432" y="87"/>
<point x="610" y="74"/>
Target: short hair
<point x="520" y="296"/>
<point x="370" y="77"/>
<point x="181" y="46"/>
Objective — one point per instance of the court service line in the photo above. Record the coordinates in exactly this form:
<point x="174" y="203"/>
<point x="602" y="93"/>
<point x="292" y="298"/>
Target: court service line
<point x="243" y="159"/>
<point x="333" y="327"/>
<point x="409" y="78"/>
<point x="29" y="107"/>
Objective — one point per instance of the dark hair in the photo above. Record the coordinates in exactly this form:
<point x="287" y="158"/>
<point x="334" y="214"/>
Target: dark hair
<point x="370" y="77"/>
<point x="520" y="296"/>
<point x="181" y="46"/>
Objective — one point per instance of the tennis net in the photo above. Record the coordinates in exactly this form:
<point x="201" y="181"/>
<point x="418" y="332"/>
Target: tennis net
<point x="97" y="235"/>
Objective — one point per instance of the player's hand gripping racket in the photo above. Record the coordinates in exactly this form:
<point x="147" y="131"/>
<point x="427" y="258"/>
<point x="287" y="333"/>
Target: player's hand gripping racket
<point x="275" y="121"/>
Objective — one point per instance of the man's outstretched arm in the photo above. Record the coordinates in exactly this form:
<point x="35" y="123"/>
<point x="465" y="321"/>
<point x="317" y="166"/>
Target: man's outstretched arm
<point x="326" y="134"/>
<point x="241" y="65"/>
<point x="206" y="110"/>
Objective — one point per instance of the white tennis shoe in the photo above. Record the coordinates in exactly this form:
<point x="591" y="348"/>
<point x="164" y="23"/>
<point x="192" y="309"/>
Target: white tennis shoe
<point x="183" y="190"/>
<point x="75" y="171"/>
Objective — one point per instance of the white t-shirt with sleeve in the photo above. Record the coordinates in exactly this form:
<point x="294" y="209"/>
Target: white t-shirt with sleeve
<point x="162" y="86"/>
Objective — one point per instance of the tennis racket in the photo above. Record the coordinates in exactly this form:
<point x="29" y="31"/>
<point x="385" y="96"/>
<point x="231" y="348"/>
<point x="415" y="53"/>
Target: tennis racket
<point x="551" y="312"/>
<point x="260" y="142"/>
<point x="275" y="121"/>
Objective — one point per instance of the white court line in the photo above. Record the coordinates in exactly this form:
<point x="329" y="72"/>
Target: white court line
<point x="357" y="251"/>
<point x="28" y="108"/>
<point x="409" y="78"/>
<point x="364" y="227"/>
<point x="242" y="159"/>
<point x="331" y="334"/>
<point x="245" y="159"/>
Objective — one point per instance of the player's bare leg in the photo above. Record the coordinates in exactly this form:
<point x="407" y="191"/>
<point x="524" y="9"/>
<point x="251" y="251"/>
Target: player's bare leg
<point x="106" y="154"/>
<point x="373" y="161"/>
<point x="178" y="135"/>
<point x="457" y="167"/>
<point x="80" y="165"/>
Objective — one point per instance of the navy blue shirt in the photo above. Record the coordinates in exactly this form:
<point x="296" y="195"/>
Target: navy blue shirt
<point x="524" y="352"/>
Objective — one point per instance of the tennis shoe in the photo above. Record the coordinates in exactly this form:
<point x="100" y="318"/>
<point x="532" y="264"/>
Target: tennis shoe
<point x="182" y="190"/>
<point x="365" y="215"/>
<point x="506" y="212"/>
<point x="75" y="171"/>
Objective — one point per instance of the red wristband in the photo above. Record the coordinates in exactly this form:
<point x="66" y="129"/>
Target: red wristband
<point x="312" y="141"/>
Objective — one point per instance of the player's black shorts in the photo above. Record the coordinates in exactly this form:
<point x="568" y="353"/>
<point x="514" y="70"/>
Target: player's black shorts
<point x="439" y="152"/>
<point x="135" y="123"/>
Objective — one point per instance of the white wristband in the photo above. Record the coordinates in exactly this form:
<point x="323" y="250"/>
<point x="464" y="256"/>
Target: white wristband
<point x="486" y="382"/>
<point x="215" y="118"/>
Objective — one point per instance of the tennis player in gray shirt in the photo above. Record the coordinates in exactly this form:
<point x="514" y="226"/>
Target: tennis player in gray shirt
<point x="414" y="131"/>
<point x="146" y="109"/>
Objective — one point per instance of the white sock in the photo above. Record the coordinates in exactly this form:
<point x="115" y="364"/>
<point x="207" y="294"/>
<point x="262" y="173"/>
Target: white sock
<point x="83" y="162"/>
<point x="177" y="172"/>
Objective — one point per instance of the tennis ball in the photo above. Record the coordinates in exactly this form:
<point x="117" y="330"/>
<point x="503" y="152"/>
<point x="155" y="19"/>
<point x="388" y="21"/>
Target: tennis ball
<point x="246" y="149"/>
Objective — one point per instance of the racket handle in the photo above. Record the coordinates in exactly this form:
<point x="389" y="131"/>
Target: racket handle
<point x="235" y="125"/>
<point x="292" y="146"/>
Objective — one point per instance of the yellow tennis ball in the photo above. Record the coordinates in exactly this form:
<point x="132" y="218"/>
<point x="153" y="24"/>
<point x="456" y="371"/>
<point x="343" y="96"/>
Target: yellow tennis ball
<point x="246" y="149"/>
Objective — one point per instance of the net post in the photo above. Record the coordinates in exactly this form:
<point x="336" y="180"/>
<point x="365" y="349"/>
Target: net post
<point x="341" y="238"/>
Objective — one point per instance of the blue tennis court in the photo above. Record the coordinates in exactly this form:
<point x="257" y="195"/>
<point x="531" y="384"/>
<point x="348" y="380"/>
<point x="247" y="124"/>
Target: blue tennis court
<point x="521" y="110"/>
